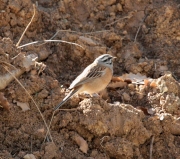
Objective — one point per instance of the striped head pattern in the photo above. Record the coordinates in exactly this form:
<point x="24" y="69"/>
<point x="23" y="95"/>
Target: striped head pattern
<point x="105" y="60"/>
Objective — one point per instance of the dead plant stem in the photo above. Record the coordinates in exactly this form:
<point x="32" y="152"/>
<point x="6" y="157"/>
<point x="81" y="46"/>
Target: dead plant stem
<point x="151" y="147"/>
<point x="26" y="27"/>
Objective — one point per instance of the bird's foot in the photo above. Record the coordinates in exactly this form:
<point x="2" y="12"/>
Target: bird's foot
<point x="95" y="95"/>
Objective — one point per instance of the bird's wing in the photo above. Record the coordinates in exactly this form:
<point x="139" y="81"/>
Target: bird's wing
<point x="91" y="72"/>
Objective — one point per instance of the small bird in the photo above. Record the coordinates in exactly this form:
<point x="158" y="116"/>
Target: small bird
<point x="93" y="79"/>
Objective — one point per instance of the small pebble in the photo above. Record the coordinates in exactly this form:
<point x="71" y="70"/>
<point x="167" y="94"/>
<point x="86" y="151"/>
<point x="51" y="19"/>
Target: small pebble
<point x="126" y="97"/>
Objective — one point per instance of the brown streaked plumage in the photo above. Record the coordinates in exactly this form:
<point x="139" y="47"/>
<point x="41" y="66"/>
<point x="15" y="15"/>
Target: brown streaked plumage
<point x="93" y="79"/>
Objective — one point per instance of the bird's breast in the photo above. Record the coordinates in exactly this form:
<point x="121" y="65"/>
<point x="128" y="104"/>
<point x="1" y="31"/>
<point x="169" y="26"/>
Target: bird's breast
<point x="98" y="84"/>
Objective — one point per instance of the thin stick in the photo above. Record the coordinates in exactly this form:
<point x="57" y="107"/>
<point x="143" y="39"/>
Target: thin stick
<point x="50" y="40"/>
<point x="35" y="42"/>
<point x="146" y="14"/>
<point x="70" y="31"/>
<point x="126" y="17"/>
<point x="151" y="147"/>
<point x="32" y="100"/>
<point x="139" y="28"/>
<point x="49" y="127"/>
<point x="101" y="31"/>
<point x="27" y="26"/>
<point x="72" y="109"/>
<point x="31" y="144"/>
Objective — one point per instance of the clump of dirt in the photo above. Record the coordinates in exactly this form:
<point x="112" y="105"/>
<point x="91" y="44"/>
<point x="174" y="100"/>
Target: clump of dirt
<point x="130" y="119"/>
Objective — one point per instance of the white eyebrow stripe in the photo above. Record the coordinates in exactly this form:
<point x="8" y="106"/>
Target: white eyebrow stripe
<point x="106" y="58"/>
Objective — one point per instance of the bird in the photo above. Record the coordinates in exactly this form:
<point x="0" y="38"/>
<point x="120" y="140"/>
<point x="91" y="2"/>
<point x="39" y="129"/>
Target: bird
<point x="93" y="79"/>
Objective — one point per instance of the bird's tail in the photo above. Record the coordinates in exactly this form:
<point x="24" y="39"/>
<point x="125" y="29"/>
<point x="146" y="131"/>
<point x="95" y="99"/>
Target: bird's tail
<point x="73" y="91"/>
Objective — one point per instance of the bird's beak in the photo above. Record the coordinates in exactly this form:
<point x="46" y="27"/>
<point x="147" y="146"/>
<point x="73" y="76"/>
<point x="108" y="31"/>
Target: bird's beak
<point x="114" y="57"/>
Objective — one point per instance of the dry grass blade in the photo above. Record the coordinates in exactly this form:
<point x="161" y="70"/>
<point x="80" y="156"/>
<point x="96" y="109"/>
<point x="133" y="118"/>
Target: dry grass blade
<point x="32" y="100"/>
<point x="35" y="42"/>
<point x="126" y="17"/>
<point x="140" y="27"/>
<point x="49" y="127"/>
<point x="50" y="40"/>
<point x="73" y="109"/>
<point x="27" y="26"/>
<point x="151" y="147"/>
<point x="146" y="14"/>
<point x="70" y="31"/>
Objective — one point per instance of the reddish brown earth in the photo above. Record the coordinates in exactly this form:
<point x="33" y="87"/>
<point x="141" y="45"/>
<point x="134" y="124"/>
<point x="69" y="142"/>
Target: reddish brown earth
<point x="133" y="121"/>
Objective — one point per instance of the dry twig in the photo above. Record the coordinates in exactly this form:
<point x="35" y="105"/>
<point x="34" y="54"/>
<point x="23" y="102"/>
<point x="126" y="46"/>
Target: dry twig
<point x="26" y="27"/>
<point x="126" y="17"/>
<point x="140" y="27"/>
<point x="35" y="42"/>
<point x="49" y="127"/>
<point x="151" y="147"/>
<point x="146" y="14"/>
<point x="73" y="109"/>
<point x="70" y="31"/>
